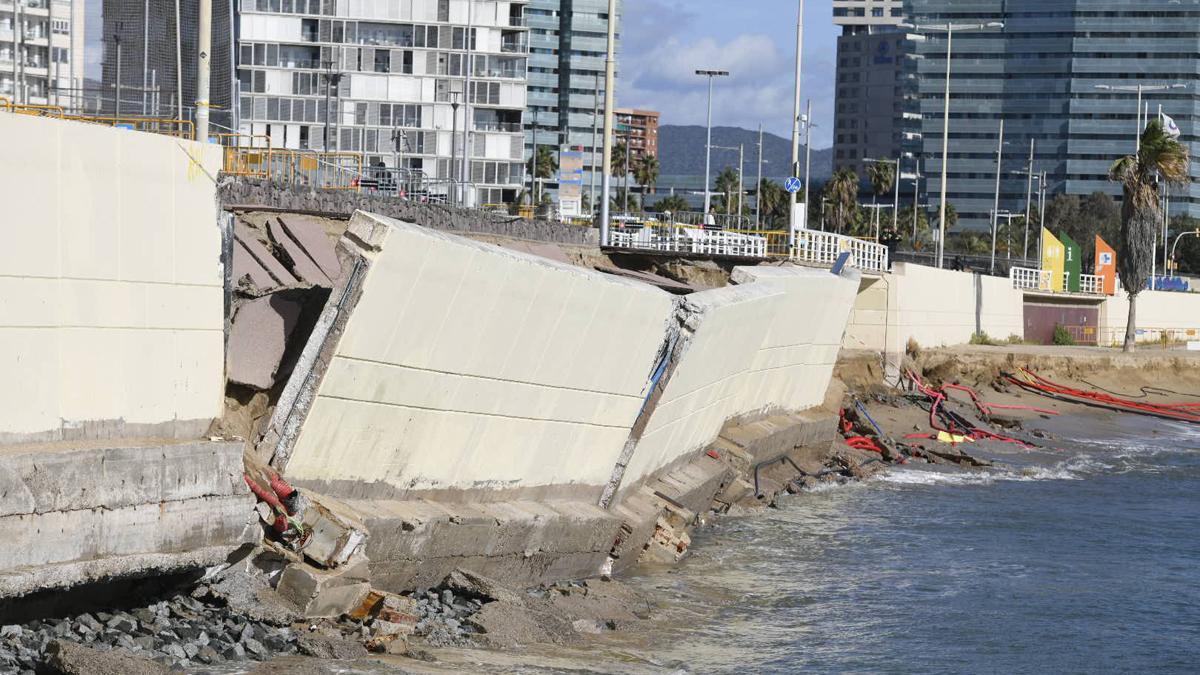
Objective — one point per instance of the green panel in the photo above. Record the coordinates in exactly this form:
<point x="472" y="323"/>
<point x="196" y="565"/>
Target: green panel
<point x="1073" y="265"/>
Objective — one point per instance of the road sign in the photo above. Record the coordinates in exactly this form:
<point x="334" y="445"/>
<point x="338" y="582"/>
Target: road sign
<point x="792" y="185"/>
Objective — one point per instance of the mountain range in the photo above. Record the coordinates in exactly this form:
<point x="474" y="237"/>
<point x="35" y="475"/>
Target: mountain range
<point x="681" y="152"/>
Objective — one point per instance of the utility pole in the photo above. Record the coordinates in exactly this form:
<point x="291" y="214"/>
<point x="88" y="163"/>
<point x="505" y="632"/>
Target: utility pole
<point x="1028" y="200"/>
<point x="203" y="71"/>
<point x="145" y="52"/>
<point x="628" y="155"/>
<point x="20" y="88"/>
<point x="455" y="195"/>
<point x="533" y="177"/>
<point x="792" y="224"/>
<point x="595" y="133"/>
<point x="759" y="184"/>
<point x="610" y="69"/>
<point x="463" y="168"/>
<point x="710" y="74"/>
<point x="896" y="199"/>
<point x="996" y="199"/>
<point x="941" y="244"/>
<point x="808" y="125"/>
<point x="179" y="71"/>
<point x="117" y="39"/>
<point x="916" y="196"/>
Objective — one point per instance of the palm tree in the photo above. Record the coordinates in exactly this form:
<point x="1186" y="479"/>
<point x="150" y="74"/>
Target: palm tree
<point x="1158" y="155"/>
<point x="773" y="202"/>
<point x="882" y="177"/>
<point x="619" y="167"/>
<point x="645" y="172"/>
<point x="672" y="203"/>
<point x="727" y="185"/>
<point x="547" y="165"/>
<point x="842" y="193"/>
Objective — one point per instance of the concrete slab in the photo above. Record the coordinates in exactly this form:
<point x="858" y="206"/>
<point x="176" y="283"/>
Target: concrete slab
<point x="72" y="513"/>
<point x="245" y="266"/>
<point x="311" y="237"/>
<point x="303" y="265"/>
<point x="258" y="339"/>
<point x="247" y="238"/>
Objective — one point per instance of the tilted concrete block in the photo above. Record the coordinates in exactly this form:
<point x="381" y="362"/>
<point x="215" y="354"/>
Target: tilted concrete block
<point x="322" y="594"/>
<point x="312" y="238"/>
<point x="259" y="338"/>
<point x="302" y="264"/>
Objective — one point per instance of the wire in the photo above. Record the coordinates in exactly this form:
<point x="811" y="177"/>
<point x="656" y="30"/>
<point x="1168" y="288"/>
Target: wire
<point x="1146" y="391"/>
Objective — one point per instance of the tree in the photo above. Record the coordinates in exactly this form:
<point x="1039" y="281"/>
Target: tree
<point x="882" y="177"/>
<point x="842" y="194"/>
<point x="1159" y="154"/>
<point x="645" y="172"/>
<point x="619" y="152"/>
<point x="922" y="241"/>
<point x="547" y="165"/>
<point x="727" y="186"/>
<point x="774" y="203"/>
<point x="672" y="203"/>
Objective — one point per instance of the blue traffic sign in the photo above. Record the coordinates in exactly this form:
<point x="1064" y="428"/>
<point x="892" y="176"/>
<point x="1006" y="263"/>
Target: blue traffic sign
<point x="792" y="185"/>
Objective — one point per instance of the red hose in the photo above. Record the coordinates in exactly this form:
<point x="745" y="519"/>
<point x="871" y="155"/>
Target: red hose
<point x="1188" y="412"/>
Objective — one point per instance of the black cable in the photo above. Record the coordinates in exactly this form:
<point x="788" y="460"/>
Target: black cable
<point x="1146" y="391"/>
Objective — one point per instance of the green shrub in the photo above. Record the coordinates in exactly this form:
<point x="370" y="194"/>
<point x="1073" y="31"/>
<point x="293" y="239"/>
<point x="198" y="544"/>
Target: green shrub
<point x="1062" y="336"/>
<point x="982" y="338"/>
<point x="1015" y="339"/>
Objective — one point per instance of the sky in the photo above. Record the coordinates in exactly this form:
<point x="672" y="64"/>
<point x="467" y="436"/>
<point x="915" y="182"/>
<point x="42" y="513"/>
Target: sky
<point x="663" y="42"/>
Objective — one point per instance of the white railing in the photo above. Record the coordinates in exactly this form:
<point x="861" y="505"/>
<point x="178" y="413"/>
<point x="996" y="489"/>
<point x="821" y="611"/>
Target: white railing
<point x="823" y="248"/>
<point x="1029" y="279"/>
<point x="676" y="239"/>
<point x="1025" y="278"/>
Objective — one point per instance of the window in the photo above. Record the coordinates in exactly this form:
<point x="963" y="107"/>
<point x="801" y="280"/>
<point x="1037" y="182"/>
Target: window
<point x="60" y="26"/>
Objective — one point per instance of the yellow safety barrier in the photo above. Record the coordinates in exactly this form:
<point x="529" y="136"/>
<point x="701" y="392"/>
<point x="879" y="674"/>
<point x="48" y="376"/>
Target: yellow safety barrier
<point x="155" y="125"/>
<point x="28" y="109"/>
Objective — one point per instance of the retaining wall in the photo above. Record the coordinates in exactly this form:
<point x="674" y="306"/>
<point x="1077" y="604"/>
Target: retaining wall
<point x="1159" y="313"/>
<point x="111" y="300"/>
<point x="935" y="307"/>
<point x="474" y="373"/>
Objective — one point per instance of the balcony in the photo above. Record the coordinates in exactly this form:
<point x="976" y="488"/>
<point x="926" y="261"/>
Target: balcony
<point x="514" y="45"/>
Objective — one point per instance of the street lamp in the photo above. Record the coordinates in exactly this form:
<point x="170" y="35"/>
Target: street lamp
<point x="896" y="205"/>
<point x="710" y="74"/>
<point x="949" y="29"/>
<point x="1192" y="233"/>
<point x="1139" y="88"/>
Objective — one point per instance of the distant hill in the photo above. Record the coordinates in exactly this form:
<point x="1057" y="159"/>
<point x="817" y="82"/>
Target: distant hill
<point x="681" y="152"/>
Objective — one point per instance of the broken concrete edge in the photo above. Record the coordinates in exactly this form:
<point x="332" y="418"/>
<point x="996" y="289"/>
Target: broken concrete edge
<point x="291" y="410"/>
<point x="18" y="583"/>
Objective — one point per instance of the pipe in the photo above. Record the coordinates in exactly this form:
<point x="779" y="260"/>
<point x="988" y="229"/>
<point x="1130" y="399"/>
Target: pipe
<point x="203" y="70"/>
<point x="610" y="74"/>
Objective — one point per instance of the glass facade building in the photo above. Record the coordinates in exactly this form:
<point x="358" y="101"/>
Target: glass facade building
<point x="1062" y="74"/>
<point x="567" y="44"/>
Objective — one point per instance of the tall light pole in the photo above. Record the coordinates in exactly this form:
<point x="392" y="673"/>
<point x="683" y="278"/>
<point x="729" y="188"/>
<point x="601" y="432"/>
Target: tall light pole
<point x="793" y="225"/>
<point x="996" y="200"/>
<point x="949" y="29"/>
<point x="595" y="133"/>
<point x="455" y="194"/>
<point x="610" y="71"/>
<point x="1140" y="89"/>
<point x="808" y="127"/>
<point x="463" y="169"/>
<point x="710" y="74"/>
<point x="758" y="185"/>
<point x="203" y="70"/>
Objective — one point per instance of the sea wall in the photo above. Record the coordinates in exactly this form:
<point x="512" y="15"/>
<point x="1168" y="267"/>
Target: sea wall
<point x="111" y="300"/>
<point x="1175" y="316"/>
<point x="935" y="307"/>
<point x="473" y="373"/>
<point x="112" y="325"/>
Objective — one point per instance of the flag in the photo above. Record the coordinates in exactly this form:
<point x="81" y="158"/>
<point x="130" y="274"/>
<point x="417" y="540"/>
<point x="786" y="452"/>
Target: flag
<point x="1054" y="261"/>
<point x="1106" y="265"/>
<point x="1169" y="125"/>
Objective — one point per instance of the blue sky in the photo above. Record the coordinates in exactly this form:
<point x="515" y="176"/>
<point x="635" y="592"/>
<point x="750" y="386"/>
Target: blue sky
<point x="664" y="41"/>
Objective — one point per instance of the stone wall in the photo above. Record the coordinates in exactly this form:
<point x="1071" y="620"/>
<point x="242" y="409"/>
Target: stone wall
<point x="243" y="192"/>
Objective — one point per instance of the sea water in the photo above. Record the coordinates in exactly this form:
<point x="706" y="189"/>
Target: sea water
<point x="1086" y="560"/>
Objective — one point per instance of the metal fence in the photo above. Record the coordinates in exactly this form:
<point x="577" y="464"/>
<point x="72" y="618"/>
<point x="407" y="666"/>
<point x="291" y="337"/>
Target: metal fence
<point x="689" y="240"/>
<point x="1029" y="279"/>
<point x="824" y="248"/>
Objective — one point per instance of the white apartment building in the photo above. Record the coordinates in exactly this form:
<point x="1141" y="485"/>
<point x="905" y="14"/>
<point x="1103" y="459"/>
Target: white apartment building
<point x="387" y="78"/>
<point x="41" y="62"/>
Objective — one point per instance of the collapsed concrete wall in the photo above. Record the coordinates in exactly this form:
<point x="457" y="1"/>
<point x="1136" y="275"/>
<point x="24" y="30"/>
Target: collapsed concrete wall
<point x="469" y="367"/>
<point x="483" y="405"/>
<point x="112" y="329"/>
<point x="110" y="283"/>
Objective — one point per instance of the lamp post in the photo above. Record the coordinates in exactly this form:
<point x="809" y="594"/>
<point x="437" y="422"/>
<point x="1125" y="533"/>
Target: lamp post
<point x="792" y="224"/>
<point x="1140" y="89"/>
<point x="1191" y="233"/>
<point x="454" y="103"/>
<point x="949" y="29"/>
<point x="710" y="74"/>
<point x="808" y="127"/>
<point x="610" y="70"/>
<point x="895" y="187"/>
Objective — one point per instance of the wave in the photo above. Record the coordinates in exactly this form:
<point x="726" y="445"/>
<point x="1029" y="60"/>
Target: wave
<point x="1071" y="470"/>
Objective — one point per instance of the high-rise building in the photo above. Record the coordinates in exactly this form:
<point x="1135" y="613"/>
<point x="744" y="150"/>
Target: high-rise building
<point x="873" y="87"/>
<point x="1063" y="75"/>
<point x="393" y="74"/>
<point x="151" y="67"/>
<point x="640" y="129"/>
<point x="42" y="61"/>
<point x="568" y="42"/>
